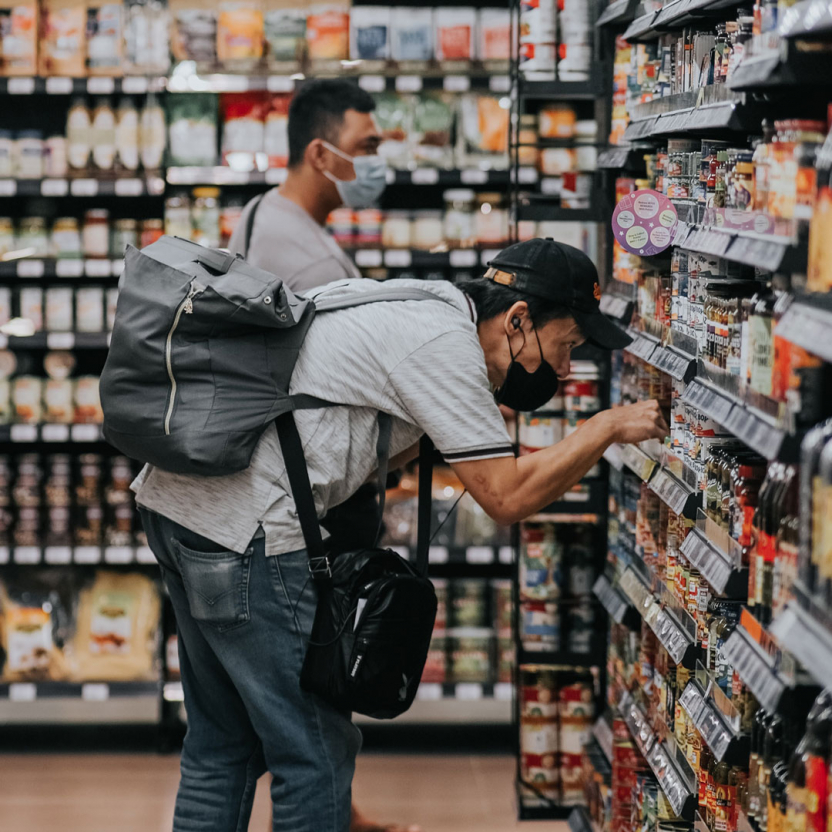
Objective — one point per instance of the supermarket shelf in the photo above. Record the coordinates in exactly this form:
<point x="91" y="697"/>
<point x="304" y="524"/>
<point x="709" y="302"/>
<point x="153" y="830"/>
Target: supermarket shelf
<point x="617" y="306"/>
<point x="595" y="658"/>
<point x="393" y="258"/>
<point x="715" y="564"/>
<point x="561" y="90"/>
<point x="673" y="16"/>
<point x="756" y="666"/>
<point x="807" y="19"/>
<point x="615" y="602"/>
<point x="806" y="637"/>
<point x="223" y="175"/>
<point x="533" y="808"/>
<point x="675" y="778"/>
<point x="32" y="269"/>
<point x="602" y="732"/>
<point x="787" y="66"/>
<point x="680" y="645"/>
<point x="91" y="703"/>
<point x="642" y="29"/>
<point x="542" y="211"/>
<point x="808" y="323"/>
<point x="724" y="742"/>
<point x="84" y="186"/>
<point x="50" y="434"/>
<point x="618" y="13"/>
<point x="667" y="358"/>
<point x="79" y="555"/>
<point x="472" y="555"/>
<point x="588" y="496"/>
<point x="59" y="85"/>
<point x="57" y="341"/>
<point x="616" y="158"/>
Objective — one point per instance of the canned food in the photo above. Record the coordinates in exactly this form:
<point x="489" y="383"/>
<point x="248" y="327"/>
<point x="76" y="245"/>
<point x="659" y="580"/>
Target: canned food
<point x="469" y="600"/>
<point x="582" y="396"/>
<point x="541" y="555"/>
<point x="27" y="399"/>
<point x="59" y="309"/>
<point x="539" y="625"/>
<point x="537" y="432"/>
<point x="470" y="651"/>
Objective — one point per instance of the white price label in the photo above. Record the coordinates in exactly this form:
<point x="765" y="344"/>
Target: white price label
<point x="4" y="554"/>
<point x="22" y="692"/>
<point x="479" y="554"/>
<point x="57" y="555"/>
<point x="117" y="267"/>
<point x="54" y="187"/>
<point x="368" y="258"/>
<point x="8" y="187"/>
<point x="499" y="83"/>
<point x="27" y="554"/>
<point x="30" y="268"/>
<point x="135" y="85"/>
<point x="54" y="433"/>
<point x="97" y="268"/>
<point x="59" y="86"/>
<point x="401" y="551"/>
<point x="87" y="554"/>
<point x="438" y="554"/>
<point x="372" y="83"/>
<point x="69" y="268"/>
<point x="506" y="554"/>
<point x="276" y="176"/>
<point x="155" y="185"/>
<point x="468" y="692"/>
<point x="86" y="433"/>
<point x="473" y="177"/>
<point x="84" y="187"/>
<point x="527" y="176"/>
<point x="456" y="83"/>
<point x="424" y="176"/>
<point x="144" y="554"/>
<point x="463" y="258"/>
<point x="95" y="692"/>
<point x="429" y="692"/>
<point x="129" y="187"/>
<point x="21" y="86"/>
<point x="280" y="83"/>
<point x="101" y="86"/>
<point x="397" y="258"/>
<point x="118" y="554"/>
<point x="504" y="691"/>
<point x="60" y="340"/>
<point x="551" y="186"/>
<point x="409" y="83"/>
<point x="24" y="433"/>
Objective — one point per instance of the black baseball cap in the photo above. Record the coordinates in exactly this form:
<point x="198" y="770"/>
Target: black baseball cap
<point x="562" y="274"/>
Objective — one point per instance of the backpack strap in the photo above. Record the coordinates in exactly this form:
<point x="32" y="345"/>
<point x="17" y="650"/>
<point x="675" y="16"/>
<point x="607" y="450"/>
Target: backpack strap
<point x="255" y="204"/>
<point x="375" y="296"/>
<point x="424" y="509"/>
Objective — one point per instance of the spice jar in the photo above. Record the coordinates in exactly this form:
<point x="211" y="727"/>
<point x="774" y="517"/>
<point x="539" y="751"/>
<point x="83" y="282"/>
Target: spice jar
<point x="178" y="216"/>
<point x="89" y="309"/>
<point x="96" y="233"/>
<point x="125" y="233"/>
<point x="491" y="221"/>
<point x="31" y="234"/>
<point x="58" y="315"/>
<point x="459" y="218"/>
<point x="66" y="239"/>
<point x="29" y="155"/>
<point x="205" y="217"/>
<point x="428" y="229"/>
<point x="395" y="231"/>
<point x="55" y="162"/>
<point x="151" y="230"/>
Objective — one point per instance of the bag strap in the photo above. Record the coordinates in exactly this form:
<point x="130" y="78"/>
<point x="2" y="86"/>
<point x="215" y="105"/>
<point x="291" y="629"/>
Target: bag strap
<point x="375" y="296"/>
<point x="255" y="204"/>
<point x="424" y="510"/>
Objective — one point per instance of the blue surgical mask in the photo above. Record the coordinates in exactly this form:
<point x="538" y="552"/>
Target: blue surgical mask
<point x="369" y="183"/>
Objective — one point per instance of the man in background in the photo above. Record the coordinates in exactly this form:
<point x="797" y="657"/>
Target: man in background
<point x="333" y="161"/>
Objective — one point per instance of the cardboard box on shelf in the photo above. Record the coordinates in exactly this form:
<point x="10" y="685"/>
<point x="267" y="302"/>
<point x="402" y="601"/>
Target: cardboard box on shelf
<point x="63" y="38"/>
<point x="19" y="38"/>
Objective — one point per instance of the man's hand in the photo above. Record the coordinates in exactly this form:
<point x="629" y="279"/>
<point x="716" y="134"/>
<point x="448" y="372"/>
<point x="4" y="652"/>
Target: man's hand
<point x="636" y="422"/>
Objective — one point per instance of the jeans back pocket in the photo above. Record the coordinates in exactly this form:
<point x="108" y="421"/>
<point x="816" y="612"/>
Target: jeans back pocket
<point x="216" y="584"/>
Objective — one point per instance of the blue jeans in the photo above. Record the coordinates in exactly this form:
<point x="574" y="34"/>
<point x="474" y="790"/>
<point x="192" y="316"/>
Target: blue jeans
<point x="243" y="621"/>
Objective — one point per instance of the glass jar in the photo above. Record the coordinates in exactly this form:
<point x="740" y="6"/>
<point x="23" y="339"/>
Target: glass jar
<point x="586" y="153"/>
<point x="151" y="230"/>
<point x="7" y="239"/>
<point x="29" y="155"/>
<point x="528" y="139"/>
<point x="205" y="217"/>
<point x="55" y="162"/>
<point x="96" y="233"/>
<point x="79" y="135"/>
<point x="152" y="134"/>
<point x="395" y="231"/>
<point x="66" y="239"/>
<point x="368" y="227"/>
<point x="341" y="224"/>
<point x="7" y="151"/>
<point x="125" y="233"/>
<point x="491" y="221"/>
<point x="459" y="218"/>
<point x="428" y="231"/>
<point x="58" y="311"/>
<point x="178" y="216"/>
<point x="104" y="135"/>
<point x="32" y="234"/>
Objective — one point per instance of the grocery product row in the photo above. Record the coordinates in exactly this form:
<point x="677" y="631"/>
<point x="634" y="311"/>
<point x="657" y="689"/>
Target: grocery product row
<point x="78" y="38"/>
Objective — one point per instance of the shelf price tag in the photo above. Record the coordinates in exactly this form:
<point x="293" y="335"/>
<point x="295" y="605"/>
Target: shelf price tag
<point x="424" y="176"/>
<point x="468" y="692"/>
<point x="129" y="187"/>
<point x="60" y="340"/>
<point x="397" y="258"/>
<point x="97" y="268"/>
<point x="462" y="258"/>
<point x="372" y="83"/>
<point x="87" y="554"/>
<point x="135" y="85"/>
<point x="69" y="268"/>
<point x="21" y="86"/>
<point x="54" y="433"/>
<point x="54" y="187"/>
<point x="59" y="86"/>
<point x="429" y="692"/>
<point x="473" y="177"/>
<point x="24" y="433"/>
<point x="456" y="83"/>
<point x="503" y="691"/>
<point x="30" y="268"/>
<point x="368" y="258"/>
<point x="144" y="554"/>
<point x="4" y="554"/>
<point x="438" y="554"/>
<point x="95" y="692"/>
<point x="22" y="692"/>
<point x="276" y="176"/>
<point x="27" y="555"/>
<point x="101" y="86"/>
<point x="118" y="554"/>
<point x="499" y="83"/>
<point x="280" y="83"/>
<point x="57" y="555"/>
<point x="8" y="187"/>
<point x="754" y="668"/>
<point x="479" y="554"/>
<point x="669" y="492"/>
<point x="86" y="433"/>
<point x="408" y="83"/>
<point x="506" y="555"/>
<point x="84" y="187"/>
<point x="709" y="561"/>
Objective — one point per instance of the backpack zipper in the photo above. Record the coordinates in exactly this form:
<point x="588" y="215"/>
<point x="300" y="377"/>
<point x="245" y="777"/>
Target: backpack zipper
<point x="187" y="306"/>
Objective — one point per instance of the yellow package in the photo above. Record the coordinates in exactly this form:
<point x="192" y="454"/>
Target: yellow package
<point x="19" y="38"/>
<point x="328" y="31"/>
<point x="117" y="629"/>
<point x="27" y="638"/>
<point x="240" y="31"/>
<point x="493" y="124"/>
<point x="63" y="38"/>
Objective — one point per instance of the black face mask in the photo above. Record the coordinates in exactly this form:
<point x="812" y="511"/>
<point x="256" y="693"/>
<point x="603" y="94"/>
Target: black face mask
<point x="524" y="391"/>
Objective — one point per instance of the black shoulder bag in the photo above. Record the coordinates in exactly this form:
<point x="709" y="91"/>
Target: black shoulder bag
<point x="376" y="611"/>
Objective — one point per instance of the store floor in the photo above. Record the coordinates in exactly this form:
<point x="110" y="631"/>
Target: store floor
<point x="135" y="793"/>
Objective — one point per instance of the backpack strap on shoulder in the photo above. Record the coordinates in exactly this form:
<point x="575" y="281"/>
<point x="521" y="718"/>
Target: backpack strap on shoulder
<point x="255" y="204"/>
<point x="322" y="304"/>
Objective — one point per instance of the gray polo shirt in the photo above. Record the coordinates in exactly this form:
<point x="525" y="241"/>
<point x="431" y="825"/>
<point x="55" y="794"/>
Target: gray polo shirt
<point x="420" y="361"/>
<point x="285" y="236"/>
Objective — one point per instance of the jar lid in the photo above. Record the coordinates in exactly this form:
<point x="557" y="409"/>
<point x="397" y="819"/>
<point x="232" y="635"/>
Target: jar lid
<point x="459" y="195"/>
<point x="66" y="221"/>
<point x="427" y="215"/>
<point x="397" y="215"/>
<point x="30" y="134"/>
<point x="153" y="224"/>
<point x="206" y="193"/>
<point x="126" y="223"/>
<point x="745" y="167"/>
<point x="97" y="214"/>
<point x="489" y="197"/>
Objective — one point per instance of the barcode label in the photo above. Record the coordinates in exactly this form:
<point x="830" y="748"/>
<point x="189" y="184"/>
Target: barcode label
<point x="755" y="669"/>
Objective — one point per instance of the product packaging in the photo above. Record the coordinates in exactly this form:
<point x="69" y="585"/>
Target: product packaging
<point x="328" y="31"/>
<point x="19" y="38"/>
<point x="194" y="30"/>
<point x="63" y="40"/>
<point x="105" y="38"/>
<point x="483" y="131"/>
<point x="192" y="129"/>
<point x="146" y="37"/>
<point x="494" y="35"/>
<point x="240" y="33"/>
<point x="285" y="30"/>
<point x="433" y="119"/>
<point x="411" y="34"/>
<point x="244" y="126"/>
<point x="455" y="29"/>
<point x="370" y="30"/>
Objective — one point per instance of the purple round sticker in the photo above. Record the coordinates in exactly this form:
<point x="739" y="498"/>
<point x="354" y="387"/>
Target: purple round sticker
<point x="644" y="222"/>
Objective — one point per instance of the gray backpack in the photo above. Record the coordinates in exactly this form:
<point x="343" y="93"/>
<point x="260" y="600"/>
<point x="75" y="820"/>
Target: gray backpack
<point x="202" y="354"/>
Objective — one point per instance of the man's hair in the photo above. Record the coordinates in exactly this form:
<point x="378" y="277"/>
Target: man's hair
<point x="491" y="299"/>
<point x="317" y="112"/>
